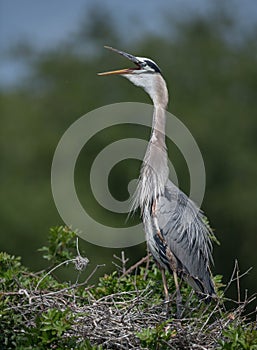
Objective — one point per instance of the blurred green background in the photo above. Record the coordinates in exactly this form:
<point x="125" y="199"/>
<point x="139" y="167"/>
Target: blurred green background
<point x="208" y="56"/>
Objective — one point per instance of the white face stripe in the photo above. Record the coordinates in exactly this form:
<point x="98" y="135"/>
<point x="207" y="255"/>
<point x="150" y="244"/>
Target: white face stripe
<point x="150" y="64"/>
<point x="145" y="59"/>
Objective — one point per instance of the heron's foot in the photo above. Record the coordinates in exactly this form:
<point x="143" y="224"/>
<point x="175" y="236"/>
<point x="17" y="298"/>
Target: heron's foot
<point x="179" y="311"/>
<point x="166" y="307"/>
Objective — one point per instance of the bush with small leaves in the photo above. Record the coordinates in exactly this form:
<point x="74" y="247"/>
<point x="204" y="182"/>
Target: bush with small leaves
<point x="125" y="310"/>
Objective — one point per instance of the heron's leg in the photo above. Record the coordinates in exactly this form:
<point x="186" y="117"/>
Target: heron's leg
<point x="166" y="291"/>
<point x="165" y="287"/>
<point x="178" y="295"/>
<point x="147" y="263"/>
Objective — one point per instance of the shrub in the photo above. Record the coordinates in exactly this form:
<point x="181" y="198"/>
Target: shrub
<point x="125" y="310"/>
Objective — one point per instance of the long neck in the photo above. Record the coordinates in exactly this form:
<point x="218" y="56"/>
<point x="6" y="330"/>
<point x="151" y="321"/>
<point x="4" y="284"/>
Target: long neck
<point x="154" y="172"/>
<point x="159" y="94"/>
<point x="155" y="169"/>
<point x="156" y="154"/>
<point x="158" y="126"/>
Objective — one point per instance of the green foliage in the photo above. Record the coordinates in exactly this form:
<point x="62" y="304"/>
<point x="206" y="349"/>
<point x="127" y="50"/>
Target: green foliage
<point x="219" y="286"/>
<point x="11" y="272"/>
<point x="49" y="327"/>
<point x="53" y="316"/>
<point x="61" y="245"/>
<point x="113" y="283"/>
<point x="86" y="345"/>
<point x="9" y="321"/>
<point x="16" y="282"/>
<point x="157" y="337"/>
<point x="239" y="338"/>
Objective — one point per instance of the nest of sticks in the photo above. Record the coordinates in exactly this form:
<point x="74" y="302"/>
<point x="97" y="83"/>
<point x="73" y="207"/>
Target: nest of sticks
<point x="116" y="321"/>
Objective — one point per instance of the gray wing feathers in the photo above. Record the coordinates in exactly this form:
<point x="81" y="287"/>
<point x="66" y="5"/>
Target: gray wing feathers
<point x="187" y="234"/>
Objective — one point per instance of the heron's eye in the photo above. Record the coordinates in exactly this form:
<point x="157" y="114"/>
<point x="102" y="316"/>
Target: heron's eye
<point x="153" y="66"/>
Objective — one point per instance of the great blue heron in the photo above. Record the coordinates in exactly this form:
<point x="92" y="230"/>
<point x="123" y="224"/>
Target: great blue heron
<point x="177" y="232"/>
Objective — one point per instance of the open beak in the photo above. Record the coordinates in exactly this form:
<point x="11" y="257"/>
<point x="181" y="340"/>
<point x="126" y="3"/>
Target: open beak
<point x="125" y="70"/>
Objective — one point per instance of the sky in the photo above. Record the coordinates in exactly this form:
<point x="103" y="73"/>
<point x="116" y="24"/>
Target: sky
<point x="46" y="23"/>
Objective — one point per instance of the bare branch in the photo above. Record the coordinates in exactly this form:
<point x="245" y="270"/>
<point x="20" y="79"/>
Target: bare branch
<point x="135" y="266"/>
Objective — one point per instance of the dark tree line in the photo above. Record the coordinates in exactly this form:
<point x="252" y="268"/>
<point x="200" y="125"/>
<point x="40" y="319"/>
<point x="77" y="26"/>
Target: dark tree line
<point x="212" y="80"/>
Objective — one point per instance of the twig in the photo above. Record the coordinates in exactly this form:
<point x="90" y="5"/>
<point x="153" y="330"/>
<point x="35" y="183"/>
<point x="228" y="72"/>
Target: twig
<point x="133" y="267"/>
<point x="53" y="269"/>
<point x="234" y="273"/>
<point x="115" y="320"/>
<point x="147" y="264"/>
<point x="238" y="283"/>
<point x="123" y="261"/>
<point x="79" y="261"/>
<point x="93" y="272"/>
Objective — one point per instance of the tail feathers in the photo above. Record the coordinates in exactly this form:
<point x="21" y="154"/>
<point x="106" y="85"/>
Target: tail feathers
<point x="204" y="291"/>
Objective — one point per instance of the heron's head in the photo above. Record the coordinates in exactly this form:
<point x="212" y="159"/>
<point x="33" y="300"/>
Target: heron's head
<point x="145" y="74"/>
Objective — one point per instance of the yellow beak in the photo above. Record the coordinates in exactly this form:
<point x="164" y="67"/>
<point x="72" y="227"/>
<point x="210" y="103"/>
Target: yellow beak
<point x="119" y="71"/>
<point x="126" y="70"/>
